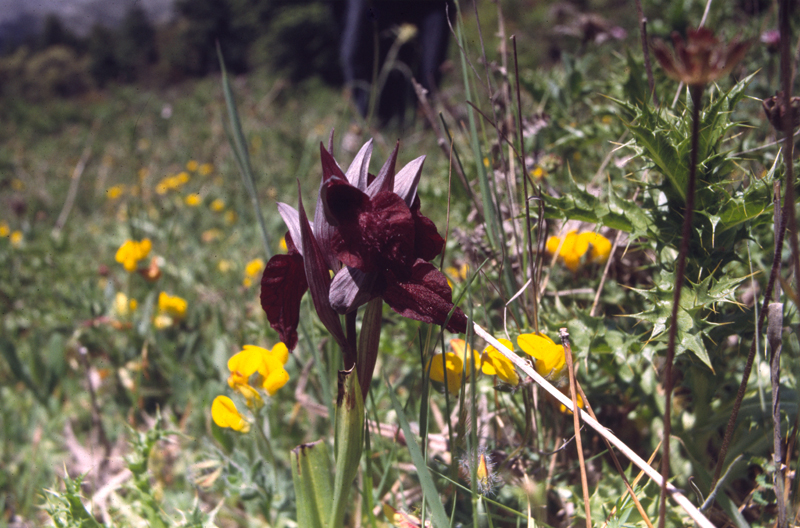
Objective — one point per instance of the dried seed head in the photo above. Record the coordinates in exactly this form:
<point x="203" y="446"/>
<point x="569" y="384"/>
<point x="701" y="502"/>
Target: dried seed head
<point x="776" y="110"/>
<point x="699" y="60"/>
<point x="486" y="478"/>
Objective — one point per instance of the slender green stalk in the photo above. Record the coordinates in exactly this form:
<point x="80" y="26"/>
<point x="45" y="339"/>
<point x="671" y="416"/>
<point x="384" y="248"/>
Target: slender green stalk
<point x="696" y="92"/>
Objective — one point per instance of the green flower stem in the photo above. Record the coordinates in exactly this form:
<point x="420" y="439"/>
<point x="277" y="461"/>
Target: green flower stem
<point x="265" y="446"/>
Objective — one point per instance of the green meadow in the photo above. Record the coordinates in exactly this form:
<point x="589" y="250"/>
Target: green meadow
<point x="137" y="220"/>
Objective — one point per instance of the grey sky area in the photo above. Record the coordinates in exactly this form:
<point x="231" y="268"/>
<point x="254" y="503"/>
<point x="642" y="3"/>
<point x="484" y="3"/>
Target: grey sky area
<point x="19" y="18"/>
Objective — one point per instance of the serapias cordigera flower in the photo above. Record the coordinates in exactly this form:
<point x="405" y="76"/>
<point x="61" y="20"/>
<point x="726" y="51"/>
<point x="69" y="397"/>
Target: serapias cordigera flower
<point x="370" y="233"/>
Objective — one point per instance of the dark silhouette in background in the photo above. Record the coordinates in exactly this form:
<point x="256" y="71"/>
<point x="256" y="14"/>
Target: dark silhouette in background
<point x="366" y="24"/>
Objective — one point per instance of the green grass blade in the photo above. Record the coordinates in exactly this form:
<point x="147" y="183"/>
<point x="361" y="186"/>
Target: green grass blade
<point x="429" y="491"/>
<point x="240" y="148"/>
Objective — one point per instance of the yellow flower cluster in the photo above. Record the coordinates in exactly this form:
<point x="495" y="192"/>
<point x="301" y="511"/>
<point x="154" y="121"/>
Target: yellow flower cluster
<point x="205" y="169"/>
<point x="269" y="364"/>
<point x="252" y="270"/>
<point x="458" y="274"/>
<point x="449" y="367"/>
<point x="574" y="246"/>
<point x="171" y="309"/>
<point x="171" y="183"/>
<point x="5" y="230"/>
<point x="131" y="252"/>
<point x="217" y="205"/>
<point x="112" y="193"/>
<point x="193" y="200"/>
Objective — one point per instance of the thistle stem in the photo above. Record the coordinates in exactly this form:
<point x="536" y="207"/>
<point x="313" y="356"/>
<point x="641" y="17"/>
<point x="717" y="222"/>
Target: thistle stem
<point x="696" y="92"/>
<point x="788" y="218"/>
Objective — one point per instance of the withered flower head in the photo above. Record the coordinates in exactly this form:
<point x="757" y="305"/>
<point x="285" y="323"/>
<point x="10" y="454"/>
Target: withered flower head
<point x="701" y="59"/>
<point x="772" y="40"/>
<point x="775" y="110"/>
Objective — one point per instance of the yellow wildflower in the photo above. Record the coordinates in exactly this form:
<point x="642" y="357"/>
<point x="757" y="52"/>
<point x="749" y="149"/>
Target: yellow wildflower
<point x="447" y="368"/>
<point x="172" y="305"/>
<point x="16" y="238"/>
<point x="462" y="350"/>
<point x="225" y="414"/>
<point x="538" y="172"/>
<point x="5" y="230"/>
<point x="563" y="408"/>
<point x="193" y="200"/>
<point x="122" y="305"/>
<point x="131" y="252"/>
<point x="494" y="363"/>
<point x="601" y="247"/>
<point x="401" y="519"/>
<point x="206" y="169"/>
<point x="457" y="273"/>
<point x="282" y="245"/>
<point x="575" y="246"/>
<point x="268" y="363"/>
<point x="252" y="270"/>
<point x="550" y="360"/>
<point x="181" y="178"/>
<point x="217" y="205"/>
<point x="114" y="192"/>
<point x="192" y="165"/>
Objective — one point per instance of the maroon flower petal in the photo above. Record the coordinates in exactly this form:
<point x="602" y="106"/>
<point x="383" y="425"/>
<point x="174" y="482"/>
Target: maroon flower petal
<point x="292" y="220"/>
<point x="330" y="168"/>
<point x="351" y="288"/>
<point x="384" y="181"/>
<point x="318" y="277"/>
<point x="427" y="241"/>
<point x="425" y="296"/>
<point x="407" y="180"/>
<point x="282" y="288"/>
<point x="358" y="171"/>
<point x="371" y="235"/>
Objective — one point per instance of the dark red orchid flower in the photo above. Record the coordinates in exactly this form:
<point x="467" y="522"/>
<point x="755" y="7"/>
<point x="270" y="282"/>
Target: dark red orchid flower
<point x="372" y="235"/>
<point x="385" y="242"/>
